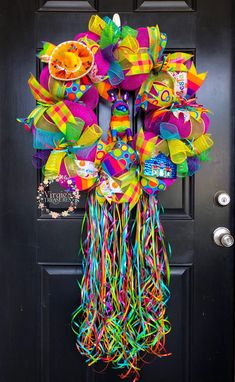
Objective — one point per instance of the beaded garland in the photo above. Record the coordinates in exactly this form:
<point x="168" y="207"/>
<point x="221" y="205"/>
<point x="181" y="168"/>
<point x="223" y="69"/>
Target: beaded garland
<point x="125" y="287"/>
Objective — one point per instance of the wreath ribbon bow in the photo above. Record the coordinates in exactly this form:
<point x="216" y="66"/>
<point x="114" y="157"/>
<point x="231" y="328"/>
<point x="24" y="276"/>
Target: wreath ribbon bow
<point x="118" y="175"/>
<point x="142" y="61"/>
<point x="74" y="140"/>
<point x="45" y="101"/>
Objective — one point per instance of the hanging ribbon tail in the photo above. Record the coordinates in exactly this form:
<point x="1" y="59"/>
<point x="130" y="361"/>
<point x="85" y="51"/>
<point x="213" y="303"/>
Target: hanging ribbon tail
<point x="105" y="321"/>
<point x="145" y="147"/>
<point x="124" y="289"/>
<point x="174" y="62"/>
<point x="153" y="276"/>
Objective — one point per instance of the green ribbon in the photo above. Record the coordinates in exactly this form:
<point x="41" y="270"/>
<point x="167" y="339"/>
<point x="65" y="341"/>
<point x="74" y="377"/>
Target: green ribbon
<point x="182" y="169"/>
<point x="112" y="33"/>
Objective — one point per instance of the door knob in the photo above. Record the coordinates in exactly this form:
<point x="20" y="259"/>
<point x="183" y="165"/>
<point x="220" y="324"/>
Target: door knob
<point x="222" y="198"/>
<point x="222" y="237"/>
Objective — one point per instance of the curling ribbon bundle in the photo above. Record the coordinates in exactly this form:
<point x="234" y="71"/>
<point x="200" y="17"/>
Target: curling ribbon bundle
<point x="124" y="290"/>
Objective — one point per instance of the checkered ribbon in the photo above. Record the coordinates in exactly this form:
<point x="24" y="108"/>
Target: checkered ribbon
<point x="58" y="112"/>
<point x="40" y="94"/>
<point x="145" y="147"/>
<point x="139" y="63"/>
<point x="61" y="115"/>
<point x="157" y="43"/>
<point x="132" y="193"/>
<point x="130" y="186"/>
<point x="173" y="62"/>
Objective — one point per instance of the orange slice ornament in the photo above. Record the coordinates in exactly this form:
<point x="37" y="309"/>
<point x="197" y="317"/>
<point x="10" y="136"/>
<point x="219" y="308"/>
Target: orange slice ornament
<point x="70" y="60"/>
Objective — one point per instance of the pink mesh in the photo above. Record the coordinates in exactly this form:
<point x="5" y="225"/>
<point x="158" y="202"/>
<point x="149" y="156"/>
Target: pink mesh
<point x="133" y="82"/>
<point x="143" y="37"/>
<point x="91" y="97"/>
<point x="102" y="64"/>
<point x="83" y="112"/>
<point x="90" y="36"/>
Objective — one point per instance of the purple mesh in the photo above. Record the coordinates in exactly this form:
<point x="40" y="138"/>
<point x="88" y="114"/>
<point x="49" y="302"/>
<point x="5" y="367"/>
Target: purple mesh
<point x="39" y="159"/>
<point x="193" y="165"/>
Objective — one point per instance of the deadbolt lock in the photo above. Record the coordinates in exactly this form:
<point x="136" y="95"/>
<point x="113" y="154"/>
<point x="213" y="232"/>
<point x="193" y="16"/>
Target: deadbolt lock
<point x="222" y="198"/>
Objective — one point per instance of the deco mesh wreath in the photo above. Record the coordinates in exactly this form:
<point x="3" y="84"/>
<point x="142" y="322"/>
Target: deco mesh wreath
<point x="124" y="290"/>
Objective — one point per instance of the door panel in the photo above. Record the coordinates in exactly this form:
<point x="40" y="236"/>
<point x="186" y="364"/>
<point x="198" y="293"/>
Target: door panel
<point x="40" y="263"/>
<point x="58" y="354"/>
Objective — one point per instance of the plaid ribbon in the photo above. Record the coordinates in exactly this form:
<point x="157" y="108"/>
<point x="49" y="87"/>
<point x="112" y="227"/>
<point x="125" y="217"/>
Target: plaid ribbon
<point x="132" y="193"/>
<point x="173" y="62"/>
<point x="66" y="149"/>
<point x="39" y="93"/>
<point x="142" y="62"/>
<point x="145" y="147"/>
<point x="157" y="43"/>
<point x="61" y="115"/>
<point x="139" y="63"/>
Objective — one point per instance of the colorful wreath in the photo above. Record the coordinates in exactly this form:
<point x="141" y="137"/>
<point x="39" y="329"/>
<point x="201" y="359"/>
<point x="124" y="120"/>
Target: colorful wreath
<point x="124" y="290"/>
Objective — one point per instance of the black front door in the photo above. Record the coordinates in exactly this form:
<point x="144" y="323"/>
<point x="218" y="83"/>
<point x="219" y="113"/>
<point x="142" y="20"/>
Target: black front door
<point x="39" y="263"/>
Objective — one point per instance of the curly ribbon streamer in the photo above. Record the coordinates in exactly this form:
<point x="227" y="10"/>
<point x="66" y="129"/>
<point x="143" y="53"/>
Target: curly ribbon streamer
<point x="113" y="323"/>
<point x="124" y="288"/>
